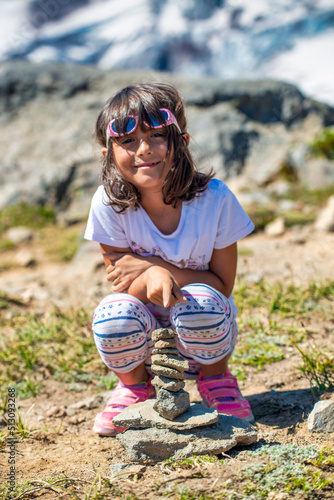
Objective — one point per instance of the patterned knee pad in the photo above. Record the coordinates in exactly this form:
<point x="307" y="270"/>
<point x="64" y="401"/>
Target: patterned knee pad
<point x="205" y="324"/>
<point x="122" y="328"/>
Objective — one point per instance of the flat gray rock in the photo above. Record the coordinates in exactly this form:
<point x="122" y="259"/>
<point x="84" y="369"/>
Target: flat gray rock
<point x="172" y="404"/>
<point x="321" y="418"/>
<point x="163" y="333"/>
<point x="154" y="445"/>
<point x="170" y="361"/>
<point x="167" y="372"/>
<point x="173" y="385"/>
<point x="142" y="415"/>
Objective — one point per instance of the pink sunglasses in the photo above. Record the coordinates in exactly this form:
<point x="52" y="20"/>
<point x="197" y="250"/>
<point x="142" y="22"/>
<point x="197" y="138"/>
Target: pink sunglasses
<point x="130" y="123"/>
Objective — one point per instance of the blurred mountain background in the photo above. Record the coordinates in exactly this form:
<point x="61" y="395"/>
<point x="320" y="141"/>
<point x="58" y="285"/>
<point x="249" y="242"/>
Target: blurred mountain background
<point x="290" y="40"/>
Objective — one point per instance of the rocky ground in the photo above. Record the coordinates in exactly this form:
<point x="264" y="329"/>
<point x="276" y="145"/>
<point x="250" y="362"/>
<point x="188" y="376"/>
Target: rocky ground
<point x="64" y="443"/>
<point x="258" y="136"/>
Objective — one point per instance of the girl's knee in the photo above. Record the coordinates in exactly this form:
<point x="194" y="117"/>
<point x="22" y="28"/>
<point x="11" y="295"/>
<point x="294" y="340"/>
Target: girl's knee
<point x="122" y="327"/>
<point x="206" y="310"/>
<point x="119" y="311"/>
<point x="205" y="295"/>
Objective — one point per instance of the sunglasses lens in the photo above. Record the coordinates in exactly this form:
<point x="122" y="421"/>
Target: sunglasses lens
<point x="130" y="125"/>
<point x="157" y="122"/>
<point x="112" y="125"/>
<point x="124" y="126"/>
<point x="165" y="115"/>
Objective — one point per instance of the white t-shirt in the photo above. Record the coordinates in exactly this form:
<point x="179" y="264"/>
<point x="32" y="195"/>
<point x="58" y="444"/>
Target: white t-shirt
<point x="213" y="220"/>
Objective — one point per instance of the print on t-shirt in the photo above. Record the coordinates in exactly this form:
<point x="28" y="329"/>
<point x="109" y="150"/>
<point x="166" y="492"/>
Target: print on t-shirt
<point x="199" y="263"/>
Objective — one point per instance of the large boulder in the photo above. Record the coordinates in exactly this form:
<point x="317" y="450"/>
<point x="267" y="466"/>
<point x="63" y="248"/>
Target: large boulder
<point x="48" y="153"/>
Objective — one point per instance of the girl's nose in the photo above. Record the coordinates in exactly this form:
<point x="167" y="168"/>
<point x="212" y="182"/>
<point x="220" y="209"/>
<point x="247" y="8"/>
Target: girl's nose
<point x="144" y="147"/>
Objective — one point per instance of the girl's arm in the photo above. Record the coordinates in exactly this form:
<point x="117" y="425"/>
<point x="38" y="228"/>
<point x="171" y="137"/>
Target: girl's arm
<point x="221" y="274"/>
<point x="124" y="268"/>
<point x="129" y="272"/>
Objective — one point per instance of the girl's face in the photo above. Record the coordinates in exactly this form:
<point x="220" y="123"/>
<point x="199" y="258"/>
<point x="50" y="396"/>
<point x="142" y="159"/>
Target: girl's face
<point x="142" y="157"/>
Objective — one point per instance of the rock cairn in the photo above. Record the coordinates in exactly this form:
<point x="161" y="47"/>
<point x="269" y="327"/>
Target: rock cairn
<point x="168" y="367"/>
<point x="154" y="433"/>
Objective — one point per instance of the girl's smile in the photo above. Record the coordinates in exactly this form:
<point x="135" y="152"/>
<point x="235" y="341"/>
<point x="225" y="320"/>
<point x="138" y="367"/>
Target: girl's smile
<point x="147" y="165"/>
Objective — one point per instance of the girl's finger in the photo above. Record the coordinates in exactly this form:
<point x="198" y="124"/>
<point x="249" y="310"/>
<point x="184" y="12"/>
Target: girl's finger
<point x="167" y="294"/>
<point x="120" y="287"/>
<point x="112" y="276"/>
<point x="178" y="294"/>
<point x="156" y="298"/>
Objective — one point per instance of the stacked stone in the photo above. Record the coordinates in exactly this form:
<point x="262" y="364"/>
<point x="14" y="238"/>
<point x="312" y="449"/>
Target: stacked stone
<point x="168" y="367"/>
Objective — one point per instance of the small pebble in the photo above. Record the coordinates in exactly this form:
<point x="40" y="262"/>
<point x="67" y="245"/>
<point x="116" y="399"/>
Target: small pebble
<point x="76" y="420"/>
<point x="56" y="412"/>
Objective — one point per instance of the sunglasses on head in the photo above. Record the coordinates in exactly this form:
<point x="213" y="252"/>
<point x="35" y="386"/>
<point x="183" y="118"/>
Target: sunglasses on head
<point x="130" y="123"/>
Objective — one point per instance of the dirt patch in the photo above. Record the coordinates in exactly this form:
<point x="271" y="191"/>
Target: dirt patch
<point x="60" y="446"/>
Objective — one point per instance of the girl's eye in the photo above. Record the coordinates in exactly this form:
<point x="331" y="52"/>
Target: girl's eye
<point x="125" y="141"/>
<point x="158" y="135"/>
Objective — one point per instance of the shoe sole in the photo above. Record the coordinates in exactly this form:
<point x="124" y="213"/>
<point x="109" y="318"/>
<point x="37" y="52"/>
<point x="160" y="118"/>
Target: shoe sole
<point x="105" y="431"/>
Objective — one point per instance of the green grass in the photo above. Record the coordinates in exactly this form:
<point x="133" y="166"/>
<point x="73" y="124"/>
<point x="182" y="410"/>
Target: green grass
<point x="73" y="488"/>
<point x="189" y="463"/>
<point x="306" y="196"/>
<point x="289" y="469"/>
<point x="323" y="144"/>
<point x="23" y="214"/>
<point x="259" y="349"/>
<point x="287" y="300"/>
<point x="108" y="381"/>
<point x="311" y="199"/>
<point x="34" y="348"/>
<point x="245" y="252"/>
<point x="59" y="242"/>
<point x="186" y="494"/>
<point x="6" y="245"/>
<point x="297" y="218"/>
<point x="272" y="314"/>
<point x="261" y="215"/>
<point x="318" y="368"/>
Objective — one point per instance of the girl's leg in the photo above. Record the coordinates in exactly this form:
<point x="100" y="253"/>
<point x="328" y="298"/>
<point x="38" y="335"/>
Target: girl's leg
<point x="206" y="329"/>
<point x="122" y="328"/>
<point x="207" y="334"/>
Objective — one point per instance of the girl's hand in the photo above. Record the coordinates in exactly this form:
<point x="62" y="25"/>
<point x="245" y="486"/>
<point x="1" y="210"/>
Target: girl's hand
<point x="161" y="287"/>
<point x="124" y="269"/>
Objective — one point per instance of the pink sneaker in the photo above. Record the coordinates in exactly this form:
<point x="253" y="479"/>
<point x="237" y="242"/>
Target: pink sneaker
<point x="122" y="397"/>
<point x="222" y="393"/>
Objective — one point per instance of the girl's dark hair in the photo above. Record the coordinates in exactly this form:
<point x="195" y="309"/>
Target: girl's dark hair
<point x="183" y="182"/>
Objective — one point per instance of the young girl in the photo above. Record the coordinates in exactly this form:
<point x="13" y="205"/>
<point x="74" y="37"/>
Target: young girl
<point x="169" y="236"/>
